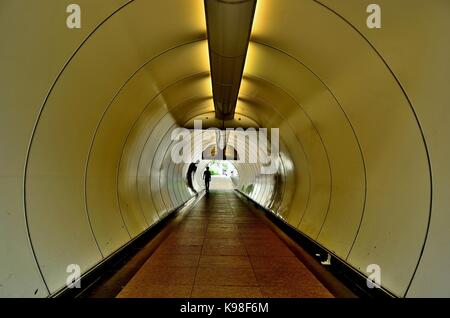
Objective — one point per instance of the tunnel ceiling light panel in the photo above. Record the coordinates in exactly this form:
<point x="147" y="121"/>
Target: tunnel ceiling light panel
<point x="229" y="25"/>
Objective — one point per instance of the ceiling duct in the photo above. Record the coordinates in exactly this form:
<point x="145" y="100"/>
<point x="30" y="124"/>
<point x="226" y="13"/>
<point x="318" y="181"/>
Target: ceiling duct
<point x="229" y="25"/>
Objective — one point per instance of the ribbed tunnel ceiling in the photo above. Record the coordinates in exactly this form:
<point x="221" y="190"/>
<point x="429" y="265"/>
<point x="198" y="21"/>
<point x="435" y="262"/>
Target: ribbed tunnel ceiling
<point x="88" y="114"/>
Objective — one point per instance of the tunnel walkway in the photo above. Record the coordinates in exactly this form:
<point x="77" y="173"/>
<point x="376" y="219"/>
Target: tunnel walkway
<point x="222" y="249"/>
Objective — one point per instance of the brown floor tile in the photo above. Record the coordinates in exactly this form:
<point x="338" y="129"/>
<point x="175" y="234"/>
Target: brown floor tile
<point x="223" y="242"/>
<point x="186" y="235"/>
<point x="157" y="291"/>
<point x="257" y="251"/>
<point x="221" y="219"/>
<point x="268" y="249"/>
<point x="201" y="291"/>
<point x="245" y="220"/>
<point x="163" y="275"/>
<point x="230" y="261"/>
<point x="271" y="241"/>
<point x="292" y="292"/>
<point x="191" y="228"/>
<point x="258" y="234"/>
<point x="286" y="278"/>
<point x="288" y="263"/>
<point x="190" y="218"/>
<point x="179" y="249"/>
<point x="173" y="260"/>
<point x="253" y="226"/>
<point x="222" y="234"/>
<point x="213" y="221"/>
<point x="200" y="231"/>
<point x="177" y="240"/>
<point x="223" y="226"/>
<point x="226" y="276"/>
<point x="224" y="250"/>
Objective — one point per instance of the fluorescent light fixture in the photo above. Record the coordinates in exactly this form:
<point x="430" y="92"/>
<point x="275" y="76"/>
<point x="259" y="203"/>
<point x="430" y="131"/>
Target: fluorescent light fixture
<point x="229" y="25"/>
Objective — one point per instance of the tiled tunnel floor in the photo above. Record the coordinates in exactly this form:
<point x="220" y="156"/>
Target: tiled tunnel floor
<point x="222" y="249"/>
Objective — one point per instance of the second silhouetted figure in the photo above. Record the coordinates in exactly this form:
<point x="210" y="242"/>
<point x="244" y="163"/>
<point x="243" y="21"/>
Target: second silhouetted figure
<point x="207" y="178"/>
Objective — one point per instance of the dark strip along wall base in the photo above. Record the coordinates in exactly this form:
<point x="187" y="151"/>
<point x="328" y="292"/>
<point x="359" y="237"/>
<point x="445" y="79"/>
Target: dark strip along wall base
<point x="107" y="278"/>
<point x="354" y="281"/>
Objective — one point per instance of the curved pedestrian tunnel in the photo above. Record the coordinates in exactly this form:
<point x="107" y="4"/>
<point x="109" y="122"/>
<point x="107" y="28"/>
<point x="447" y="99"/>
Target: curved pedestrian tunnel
<point x="87" y="117"/>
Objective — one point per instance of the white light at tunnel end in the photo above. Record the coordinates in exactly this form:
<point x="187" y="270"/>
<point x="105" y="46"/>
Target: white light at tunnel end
<point x="255" y="151"/>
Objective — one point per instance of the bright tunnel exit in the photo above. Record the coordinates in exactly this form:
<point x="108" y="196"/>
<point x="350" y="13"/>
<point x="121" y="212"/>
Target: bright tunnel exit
<point x="224" y="175"/>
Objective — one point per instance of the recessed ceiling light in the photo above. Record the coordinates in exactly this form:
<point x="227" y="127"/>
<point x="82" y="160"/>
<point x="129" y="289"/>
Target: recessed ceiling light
<point x="229" y="25"/>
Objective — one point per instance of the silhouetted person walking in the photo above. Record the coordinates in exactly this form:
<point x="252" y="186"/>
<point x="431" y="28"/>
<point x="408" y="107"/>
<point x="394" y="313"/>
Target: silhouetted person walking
<point x="207" y="178"/>
<point x="191" y="170"/>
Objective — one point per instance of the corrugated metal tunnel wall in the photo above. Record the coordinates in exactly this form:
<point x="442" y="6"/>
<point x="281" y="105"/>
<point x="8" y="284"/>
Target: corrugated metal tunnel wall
<point x="86" y="117"/>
